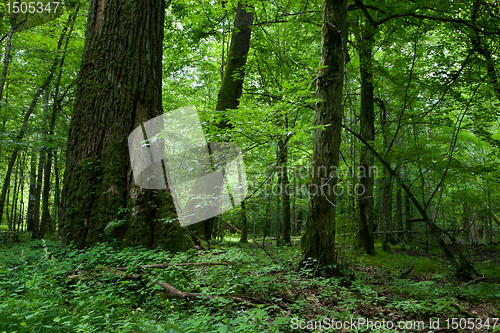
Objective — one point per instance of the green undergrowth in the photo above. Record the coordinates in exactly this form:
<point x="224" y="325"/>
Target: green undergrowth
<point x="37" y="296"/>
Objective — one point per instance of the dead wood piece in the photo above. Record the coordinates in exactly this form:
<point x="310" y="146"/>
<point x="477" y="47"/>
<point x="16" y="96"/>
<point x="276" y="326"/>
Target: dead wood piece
<point x="481" y="278"/>
<point x="463" y="311"/>
<point x="178" y="264"/>
<point x="405" y="273"/>
<point x="164" y="285"/>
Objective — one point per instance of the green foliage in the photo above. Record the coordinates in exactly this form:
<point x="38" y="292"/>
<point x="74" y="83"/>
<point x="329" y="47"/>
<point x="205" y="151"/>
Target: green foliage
<point x="36" y="294"/>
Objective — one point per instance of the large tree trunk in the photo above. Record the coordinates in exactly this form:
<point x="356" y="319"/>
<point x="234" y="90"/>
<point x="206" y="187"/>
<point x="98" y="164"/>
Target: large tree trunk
<point x="367" y="124"/>
<point x="119" y="89"/>
<point x="318" y="241"/>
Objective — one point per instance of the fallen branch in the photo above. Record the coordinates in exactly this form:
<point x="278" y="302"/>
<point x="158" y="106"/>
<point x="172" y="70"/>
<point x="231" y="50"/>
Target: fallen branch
<point x="463" y="311"/>
<point x="481" y="278"/>
<point x="405" y="273"/>
<point x="164" y="285"/>
<point x="178" y="264"/>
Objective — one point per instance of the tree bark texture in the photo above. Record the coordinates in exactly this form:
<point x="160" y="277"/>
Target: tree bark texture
<point x="318" y="241"/>
<point x="367" y="124"/>
<point x="119" y="89"/>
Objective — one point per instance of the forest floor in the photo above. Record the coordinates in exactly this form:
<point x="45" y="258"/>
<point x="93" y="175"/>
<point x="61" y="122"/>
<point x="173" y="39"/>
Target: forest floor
<point x="44" y="288"/>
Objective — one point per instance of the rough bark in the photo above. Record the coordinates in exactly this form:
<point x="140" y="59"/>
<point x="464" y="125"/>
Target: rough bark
<point x="119" y="88"/>
<point x="234" y="73"/>
<point x="318" y="241"/>
<point x="367" y="124"/>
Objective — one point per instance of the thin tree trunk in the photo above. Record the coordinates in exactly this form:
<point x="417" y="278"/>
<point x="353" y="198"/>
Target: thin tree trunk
<point x="47" y="223"/>
<point x="279" y="222"/>
<point x="57" y="198"/>
<point x="293" y="230"/>
<point x="267" y="222"/>
<point x="244" y="220"/>
<point x="386" y="210"/>
<point x="30" y="214"/>
<point x="399" y="211"/>
<point x="285" y="185"/>
<point x="408" y="217"/>
<point x="463" y="267"/>
<point x="300" y="214"/>
<point x="6" y="59"/>
<point x="386" y="187"/>
<point x="232" y="81"/>
<point x="24" y="125"/>
<point x="40" y="228"/>
<point x="12" y="221"/>
<point x="9" y="222"/>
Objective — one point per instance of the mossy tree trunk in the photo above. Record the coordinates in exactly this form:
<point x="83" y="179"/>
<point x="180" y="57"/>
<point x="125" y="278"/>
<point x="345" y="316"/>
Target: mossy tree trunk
<point x="119" y="89"/>
<point x="367" y="123"/>
<point x="318" y="241"/>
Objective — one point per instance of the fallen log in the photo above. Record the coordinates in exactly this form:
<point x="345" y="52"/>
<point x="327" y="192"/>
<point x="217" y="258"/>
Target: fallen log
<point x="164" y="285"/>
